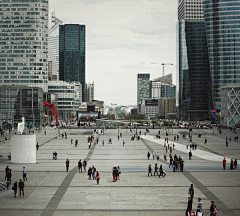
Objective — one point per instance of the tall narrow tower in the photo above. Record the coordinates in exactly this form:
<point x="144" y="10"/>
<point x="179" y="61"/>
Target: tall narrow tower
<point x="194" y="70"/>
<point x="72" y="52"/>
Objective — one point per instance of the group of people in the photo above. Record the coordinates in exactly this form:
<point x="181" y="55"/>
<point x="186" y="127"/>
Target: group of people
<point x="16" y="185"/>
<point x="177" y="163"/>
<point x="156" y="170"/>
<point x="192" y="146"/>
<point x="233" y="164"/>
<point x="116" y="173"/>
<point x="82" y="164"/>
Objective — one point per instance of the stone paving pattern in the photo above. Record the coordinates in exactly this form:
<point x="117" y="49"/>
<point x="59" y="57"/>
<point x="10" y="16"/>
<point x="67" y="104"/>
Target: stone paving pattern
<point x="50" y="190"/>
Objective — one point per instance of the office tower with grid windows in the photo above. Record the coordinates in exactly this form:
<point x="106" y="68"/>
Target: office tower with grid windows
<point x="194" y="80"/>
<point x="222" y="20"/>
<point x="24" y="43"/>
<point x="143" y="89"/>
<point x="72" y="52"/>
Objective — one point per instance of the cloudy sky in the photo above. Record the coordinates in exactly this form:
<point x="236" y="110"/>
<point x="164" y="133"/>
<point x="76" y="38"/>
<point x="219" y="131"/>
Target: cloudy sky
<point x="120" y="34"/>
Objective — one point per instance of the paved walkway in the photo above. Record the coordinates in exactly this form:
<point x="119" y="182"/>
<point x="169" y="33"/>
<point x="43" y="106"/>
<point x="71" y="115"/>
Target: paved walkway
<point x="50" y="190"/>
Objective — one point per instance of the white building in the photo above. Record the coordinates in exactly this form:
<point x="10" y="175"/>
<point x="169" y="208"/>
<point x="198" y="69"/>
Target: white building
<point x="69" y="99"/>
<point x="24" y="43"/>
<point x="89" y="91"/>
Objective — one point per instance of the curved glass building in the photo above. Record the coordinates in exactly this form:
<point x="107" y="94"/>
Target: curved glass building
<point x="222" y="20"/>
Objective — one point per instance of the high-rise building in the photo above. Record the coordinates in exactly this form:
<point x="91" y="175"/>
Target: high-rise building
<point x="24" y="43"/>
<point x="72" y="52"/>
<point x="194" y="71"/>
<point x="223" y="36"/>
<point x="53" y="48"/>
<point x="89" y="92"/>
<point x="143" y="89"/>
<point x="159" y="90"/>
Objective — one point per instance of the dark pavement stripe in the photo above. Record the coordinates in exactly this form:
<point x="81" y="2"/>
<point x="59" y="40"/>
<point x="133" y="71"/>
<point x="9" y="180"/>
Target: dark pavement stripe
<point x="220" y="205"/>
<point x="54" y="202"/>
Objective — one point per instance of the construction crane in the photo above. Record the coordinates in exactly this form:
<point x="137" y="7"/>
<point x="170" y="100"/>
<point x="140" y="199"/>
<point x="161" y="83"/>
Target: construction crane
<point x="165" y="64"/>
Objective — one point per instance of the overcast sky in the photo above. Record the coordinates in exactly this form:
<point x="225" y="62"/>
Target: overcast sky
<point x="120" y="34"/>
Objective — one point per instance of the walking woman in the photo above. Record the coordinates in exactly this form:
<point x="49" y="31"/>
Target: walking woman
<point x="98" y="177"/>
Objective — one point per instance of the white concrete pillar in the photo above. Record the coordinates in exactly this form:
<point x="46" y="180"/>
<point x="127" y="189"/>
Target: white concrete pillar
<point x="23" y="148"/>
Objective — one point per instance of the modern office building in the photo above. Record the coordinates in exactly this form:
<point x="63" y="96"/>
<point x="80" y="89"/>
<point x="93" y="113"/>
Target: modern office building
<point x="159" y="90"/>
<point x="194" y="79"/>
<point x="53" y="48"/>
<point x="143" y="89"/>
<point x="24" y="43"/>
<point x="165" y="79"/>
<point x="230" y="105"/>
<point x="21" y="101"/>
<point x="222" y="20"/>
<point x="149" y="107"/>
<point x="68" y="97"/>
<point x="72" y="53"/>
<point x="89" y="92"/>
<point x="167" y="108"/>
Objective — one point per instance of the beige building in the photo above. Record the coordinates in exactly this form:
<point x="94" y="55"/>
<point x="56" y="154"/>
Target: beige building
<point x="166" y="106"/>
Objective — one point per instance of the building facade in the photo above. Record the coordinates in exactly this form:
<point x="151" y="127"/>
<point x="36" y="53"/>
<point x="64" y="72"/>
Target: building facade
<point x="24" y="43"/>
<point x="194" y="78"/>
<point x="230" y="105"/>
<point x="21" y="101"/>
<point x="72" y="53"/>
<point x="89" y="92"/>
<point x="68" y="98"/>
<point x="150" y="108"/>
<point x="222" y="20"/>
<point x="167" y="107"/>
<point x="143" y="89"/>
<point x="159" y="90"/>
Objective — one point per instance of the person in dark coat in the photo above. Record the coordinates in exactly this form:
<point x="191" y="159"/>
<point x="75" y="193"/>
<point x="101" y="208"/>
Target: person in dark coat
<point x="149" y="170"/>
<point x="15" y="185"/>
<point x="189" y="206"/>
<point x="191" y="192"/>
<point x="21" y="187"/>
<point x="89" y="173"/>
<point x="67" y="165"/>
<point x="6" y="171"/>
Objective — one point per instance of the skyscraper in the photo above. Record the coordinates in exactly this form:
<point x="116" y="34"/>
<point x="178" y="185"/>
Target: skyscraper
<point x="72" y="54"/>
<point x="143" y="89"/>
<point x="223" y="36"/>
<point x="89" y="91"/>
<point x="24" y="43"/>
<point x="194" y="70"/>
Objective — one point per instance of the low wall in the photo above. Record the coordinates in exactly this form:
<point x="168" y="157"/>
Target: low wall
<point x="23" y="148"/>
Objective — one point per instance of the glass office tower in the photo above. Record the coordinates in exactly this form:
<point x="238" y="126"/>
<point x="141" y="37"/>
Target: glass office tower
<point x="194" y="70"/>
<point x="24" y="42"/>
<point x="72" y="54"/>
<point x="222" y="20"/>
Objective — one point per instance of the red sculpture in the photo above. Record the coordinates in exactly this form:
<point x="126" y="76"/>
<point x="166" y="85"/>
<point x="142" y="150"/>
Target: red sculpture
<point x="52" y="107"/>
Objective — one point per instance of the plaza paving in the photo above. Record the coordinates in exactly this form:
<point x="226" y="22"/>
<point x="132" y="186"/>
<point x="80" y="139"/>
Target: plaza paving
<point x="50" y="190"/>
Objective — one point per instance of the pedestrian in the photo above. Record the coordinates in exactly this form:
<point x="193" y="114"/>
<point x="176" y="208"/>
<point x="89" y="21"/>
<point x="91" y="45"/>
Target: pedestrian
<point x="156" y="169"/>
<point x="67" y="165"/>
<point x="15" y="188"/>
<point x="89" y="173"/>
<point x="171" y="161"/>
<point x="231" y="164"/>
<point x="89" y="145"/>
<point x="118" y="137"/>
<point x="80" y="165"/>
<point x="148" y="155"/>
<point x="149" y="170"/>
<point x="199" y="205"/>
<point x="84" y="165"/>
<point x="6" y="172"/>
<point x="205" y="142"/>
<point x="153" y="155"/>
<point x="119" y="172"/>
<point x="235" y="164"/>
<point x="24" y="171"/>
<point x="224" y="163"/>
<point x="191" y="192"/>
<point x="226" y="143"/>
<point x="190" y="155"/>
<point x="98" y="177"/>
<point x="114" y="172"/>
<point x="93" y="172"/>
<point x="9" y="177"/>
<point x="189" y="206"/>
<point x="71" y="141"/>
<point x="103" y="142"/>
<point x="123" y="143"/>
<point x="21" y="187"/>
<point x="212" y="208"/>
<point x="37" y="146"/>
<point x="161" y="171"/>
<point x="214" y="211"/>
<point x="55" y="155"/>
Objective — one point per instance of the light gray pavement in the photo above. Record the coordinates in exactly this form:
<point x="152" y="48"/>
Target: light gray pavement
<point x="50" y="190"/>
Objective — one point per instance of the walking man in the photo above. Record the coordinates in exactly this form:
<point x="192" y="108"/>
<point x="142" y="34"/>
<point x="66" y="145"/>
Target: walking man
<point x="84" y="165"/>
<point x="21" y="187"/>
<point x="190" y="155"/>
<point x="148" y="155"/>
<point x="191" y="192"/>
<point x="67" y="165"/>
<point x="15" y="188"/>
<point x="24" y="171"/>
